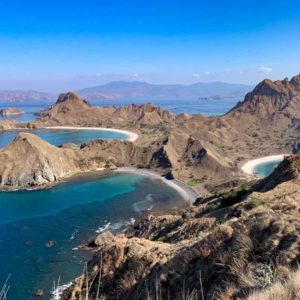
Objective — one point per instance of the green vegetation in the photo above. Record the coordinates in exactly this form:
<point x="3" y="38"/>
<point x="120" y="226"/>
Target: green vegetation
<point x="236" y="195"/>
<point x="255" y="203"/>
<point x="157" y="128"/>
<point x="211" y="207"/>
<point x="195" y="181"/>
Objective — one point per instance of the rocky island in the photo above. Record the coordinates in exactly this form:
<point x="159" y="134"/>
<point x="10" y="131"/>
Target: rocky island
<point x="10" y="111"/>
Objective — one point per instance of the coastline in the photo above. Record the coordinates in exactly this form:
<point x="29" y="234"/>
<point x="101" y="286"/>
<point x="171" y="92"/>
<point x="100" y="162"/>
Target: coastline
<point x="131" y="135"/>
<point x="249" y="166"/>
<point x="188" y="193"/>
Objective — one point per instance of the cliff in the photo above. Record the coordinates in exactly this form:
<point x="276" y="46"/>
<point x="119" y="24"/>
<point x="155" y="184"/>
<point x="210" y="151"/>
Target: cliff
<point x="30" y="161"/>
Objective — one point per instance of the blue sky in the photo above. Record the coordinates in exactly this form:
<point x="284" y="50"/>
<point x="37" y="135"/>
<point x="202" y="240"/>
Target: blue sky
<point x="61" y="45"/>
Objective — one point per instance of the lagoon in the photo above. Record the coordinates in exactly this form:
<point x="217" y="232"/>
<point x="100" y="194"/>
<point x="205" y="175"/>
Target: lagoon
<point x="62" y="136"/>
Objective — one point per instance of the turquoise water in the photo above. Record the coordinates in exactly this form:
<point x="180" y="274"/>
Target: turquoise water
<point x="265" y="169"/>
<point x="68" y="214"/>
<point x="60" y="136"/>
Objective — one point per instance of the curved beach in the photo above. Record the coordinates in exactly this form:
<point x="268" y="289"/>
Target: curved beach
<point x="187" y="193"/>
<point x="250" y="166"/>
<point x="131" y="135"/>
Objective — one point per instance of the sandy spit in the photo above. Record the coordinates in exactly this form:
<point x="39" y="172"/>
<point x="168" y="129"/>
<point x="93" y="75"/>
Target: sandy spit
<point x="250" y="166"/>
<point x="131" y="135"/>
<point x="187" y="193"/>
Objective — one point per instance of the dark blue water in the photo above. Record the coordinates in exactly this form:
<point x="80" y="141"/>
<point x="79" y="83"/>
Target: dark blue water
<point x="266" y="168"/>
<point x="60" y="136"/>
<point x="28" y="108"/>
<point x="209" y="107"/>
<point x="68" y="214"/>
<point x="205" y="107"/>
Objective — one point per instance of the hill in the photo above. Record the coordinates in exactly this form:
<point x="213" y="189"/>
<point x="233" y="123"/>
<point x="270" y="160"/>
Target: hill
<point x="241" y="244"/>
<point x="25" y="96"/>
<point x="137" y="90"/>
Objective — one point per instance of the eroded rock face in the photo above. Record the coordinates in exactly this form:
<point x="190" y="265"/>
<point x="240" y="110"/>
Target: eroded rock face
<point x="30" y="161"/>
<point x="270" y="102"/>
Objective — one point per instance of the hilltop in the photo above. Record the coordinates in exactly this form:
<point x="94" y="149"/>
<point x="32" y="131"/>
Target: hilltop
<point x="242" y="244"/>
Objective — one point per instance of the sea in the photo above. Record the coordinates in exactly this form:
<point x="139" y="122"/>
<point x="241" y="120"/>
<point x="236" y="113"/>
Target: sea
<point x="41" y="230"/>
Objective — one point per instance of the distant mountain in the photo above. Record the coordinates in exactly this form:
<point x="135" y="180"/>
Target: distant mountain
<point x="28" y="95"/>
<point x="137" y="90"/>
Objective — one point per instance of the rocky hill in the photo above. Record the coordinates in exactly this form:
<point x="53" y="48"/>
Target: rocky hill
<point x="30" y="161"/>
<point x="233" y="246"/>
<point x="271" y="104"/>
<point x="205" y="150"/>
<point x="71" y="109"/>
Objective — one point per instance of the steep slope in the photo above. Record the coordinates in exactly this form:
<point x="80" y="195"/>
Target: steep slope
<point x="226" y="247"/>
<point x="270" y="104"/>
<point x="30" y="161"/>
<point x="71" y="109"/>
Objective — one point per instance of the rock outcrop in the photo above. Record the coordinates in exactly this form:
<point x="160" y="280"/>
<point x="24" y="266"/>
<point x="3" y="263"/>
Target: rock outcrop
<point x="271" y="104"/>
<point x="226" y="247"/>
<point x="30" y="161"/>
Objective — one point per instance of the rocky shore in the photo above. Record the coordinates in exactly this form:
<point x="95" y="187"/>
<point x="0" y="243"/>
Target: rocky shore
<point x="231" y="246"/>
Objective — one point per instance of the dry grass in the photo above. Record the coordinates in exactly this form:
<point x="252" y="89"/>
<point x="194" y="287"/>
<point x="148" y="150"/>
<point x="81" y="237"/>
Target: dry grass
<point x="288" y="289"/>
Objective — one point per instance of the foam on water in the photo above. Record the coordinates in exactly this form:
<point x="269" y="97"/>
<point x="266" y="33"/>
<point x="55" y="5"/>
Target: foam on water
<point x="69" y="215"/>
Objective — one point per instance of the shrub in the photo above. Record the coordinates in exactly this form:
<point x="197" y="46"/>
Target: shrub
<point x="236" y="195"/>
<point x="255" y="203"/>
<point x="195" y="181"/>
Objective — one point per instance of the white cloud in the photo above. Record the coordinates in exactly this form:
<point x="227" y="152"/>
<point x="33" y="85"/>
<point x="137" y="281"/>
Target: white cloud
<point x="265" y="69"/>
<point x="134" y="75"/>
<point x="207" y="73"/>
<point x="196" y="75"/>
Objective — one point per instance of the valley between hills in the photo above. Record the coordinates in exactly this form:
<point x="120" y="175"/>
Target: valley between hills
<point x="240" y="240"/>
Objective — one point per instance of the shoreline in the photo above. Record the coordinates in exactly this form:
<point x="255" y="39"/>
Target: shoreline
<point x="131" y="135"/>
<point x="188" y="193"/>
<point x="249" y="166"/>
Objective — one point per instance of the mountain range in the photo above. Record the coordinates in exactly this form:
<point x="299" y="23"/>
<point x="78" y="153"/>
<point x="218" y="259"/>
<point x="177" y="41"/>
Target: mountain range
<point x="137" y="90"/>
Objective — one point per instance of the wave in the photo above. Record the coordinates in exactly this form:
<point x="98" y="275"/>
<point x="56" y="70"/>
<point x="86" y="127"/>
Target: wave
<point x="145" y="205"/>
<point x="101" y="229"/>
<point x="56" y="294"/>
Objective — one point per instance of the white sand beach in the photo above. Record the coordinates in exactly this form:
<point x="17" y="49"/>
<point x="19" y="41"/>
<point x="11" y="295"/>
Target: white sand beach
<point x="131" y="135"/>
<point x="187" y="193"/>
<point x="249" y="167"/>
